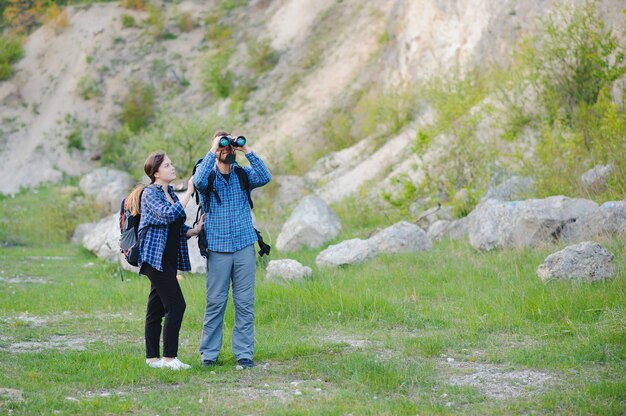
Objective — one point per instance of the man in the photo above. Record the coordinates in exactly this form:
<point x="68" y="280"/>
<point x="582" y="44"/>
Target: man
<point x="230" y="240"/>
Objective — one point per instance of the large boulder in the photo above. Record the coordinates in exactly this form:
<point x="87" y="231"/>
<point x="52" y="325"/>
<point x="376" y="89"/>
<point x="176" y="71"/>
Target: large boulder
<point x="109" y="186"/>
<point x="401" y="237"/>
<point x="287" y="269"/>
<point x="81" y="231"/>
<point x="198" y="263"/>
<point x="345" y="253"/>
<point x="586" y="261"/>
<point x="498" y="224"/>
<point x="437" y="230"/>
<point x="103" y="238"/>
<point x="312" y="223"/>
<point x="606" y="221"/>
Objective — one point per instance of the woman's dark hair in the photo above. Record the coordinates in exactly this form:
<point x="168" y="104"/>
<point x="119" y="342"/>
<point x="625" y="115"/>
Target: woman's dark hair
<point x="152" y="164"/>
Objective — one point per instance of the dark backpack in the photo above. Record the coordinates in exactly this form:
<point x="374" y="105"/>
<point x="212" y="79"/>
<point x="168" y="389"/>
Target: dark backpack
<point x="242" y="176"/>
<point x="130" y="237"/>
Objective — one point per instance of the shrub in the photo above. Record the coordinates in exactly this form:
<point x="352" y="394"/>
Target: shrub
<point x="128" y="21"/>
<point x="216" y="77"/>
<point x="183" y="138"/>
<point x="185" y="22"/>
<point x="5" y="71"/>
<point x="134" y="4"/>
<point x="11" y="51"/>
<point x="452" y="97"/>
<point x="156" y="21"/>
<point x="88" y="88"/>
<point x="138" y="106"/>
<point x="22" y="15"/>
<point x="119" y="149"/>
<point x="575" y="64"/>
<point x="565" y="152"/>
<point x="262" y="57"/>
<point x="384" y="112"/>
<point x="337" y="132"/>
<point x="217" y="32"/>
<point x="575" y="59"/>
<point x="241" y="91"/>
<point x="56" y="18"/>
<point x="227" y="6"/>
<point x="75" y="140"/>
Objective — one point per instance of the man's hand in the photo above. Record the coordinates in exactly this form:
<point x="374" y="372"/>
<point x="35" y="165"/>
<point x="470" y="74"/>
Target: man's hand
<point x="215" y="145"/>
<point x="243" y="148"/>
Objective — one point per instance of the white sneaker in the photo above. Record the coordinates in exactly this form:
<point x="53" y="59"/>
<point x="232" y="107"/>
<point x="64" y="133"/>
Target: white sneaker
<point x="175" y="364"/>
<point x="155" y="364"/>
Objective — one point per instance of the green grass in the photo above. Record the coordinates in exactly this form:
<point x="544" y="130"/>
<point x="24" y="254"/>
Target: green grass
<point x="366" y="339"/>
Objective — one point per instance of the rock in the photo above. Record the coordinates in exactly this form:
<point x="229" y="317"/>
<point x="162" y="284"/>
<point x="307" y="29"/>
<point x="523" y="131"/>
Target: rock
<point x="497" y="224"/>
<point x="109" y="186"/>
<point x="434" y="214"/>
<point x="125" y="265"/>
<point x="458" y="229"/>
<point x="401" y="237"/>
<point x="287" y="269"/>
<point x="198" y="263"/>
<point x="11" y="395"/>
<point x="511" y="189"/>
<point x="438" y="229"/>
<point x="606" y="221"/>
<point x="454" y="230"/>
<point x="346" y="252"/>
<point x="311" y="224"/>
<point x="103" y="238"/>
<point x="594" y="180"/>
<point x="586" y="261"/>
<point x="343" y="160"/>
<point x="346" y="171"/>
<point x="81" y="231"/>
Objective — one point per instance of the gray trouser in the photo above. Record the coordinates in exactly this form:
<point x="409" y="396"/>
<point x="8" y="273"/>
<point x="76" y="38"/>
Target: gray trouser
<point x="240" y="267"/>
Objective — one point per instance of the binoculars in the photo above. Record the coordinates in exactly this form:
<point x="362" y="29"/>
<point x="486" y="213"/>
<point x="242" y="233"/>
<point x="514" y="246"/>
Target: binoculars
<point x="238" y="141"/>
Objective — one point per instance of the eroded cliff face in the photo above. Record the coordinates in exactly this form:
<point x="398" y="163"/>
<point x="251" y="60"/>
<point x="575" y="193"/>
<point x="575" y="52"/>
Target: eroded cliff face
<point x="328" y="50"/>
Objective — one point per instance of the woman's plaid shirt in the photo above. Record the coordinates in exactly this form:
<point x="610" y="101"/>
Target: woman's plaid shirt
<point x="156" y="214"/>
<point x="228" y="226"/>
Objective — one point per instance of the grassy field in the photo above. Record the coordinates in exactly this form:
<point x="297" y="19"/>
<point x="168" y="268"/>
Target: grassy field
<point x="449" y="331"/>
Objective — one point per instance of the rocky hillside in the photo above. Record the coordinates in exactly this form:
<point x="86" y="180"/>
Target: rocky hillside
<point x="281" y="72"/>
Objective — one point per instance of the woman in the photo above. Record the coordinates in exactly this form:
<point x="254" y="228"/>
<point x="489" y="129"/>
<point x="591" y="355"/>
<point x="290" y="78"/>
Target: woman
<point x="162" y="252"/>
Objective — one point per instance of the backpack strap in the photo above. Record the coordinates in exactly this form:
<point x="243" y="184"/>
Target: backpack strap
<point x="264" y="247"/>
<point x="242" y="175"/>
<point x="210" y="187"/>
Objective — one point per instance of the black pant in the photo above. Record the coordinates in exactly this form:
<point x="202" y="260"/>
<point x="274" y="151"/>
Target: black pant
<point x="165" y="300"/>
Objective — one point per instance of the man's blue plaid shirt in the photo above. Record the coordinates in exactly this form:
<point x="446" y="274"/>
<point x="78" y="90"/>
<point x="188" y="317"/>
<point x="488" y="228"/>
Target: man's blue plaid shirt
<point x="228" y="226"/>
<point x="156" y="214"/>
